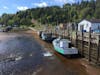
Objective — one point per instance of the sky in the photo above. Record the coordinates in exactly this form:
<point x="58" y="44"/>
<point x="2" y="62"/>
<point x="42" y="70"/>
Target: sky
<point x="12" y="6"/>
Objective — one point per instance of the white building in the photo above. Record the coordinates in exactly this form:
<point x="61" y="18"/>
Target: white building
<point x="86" y="24"/>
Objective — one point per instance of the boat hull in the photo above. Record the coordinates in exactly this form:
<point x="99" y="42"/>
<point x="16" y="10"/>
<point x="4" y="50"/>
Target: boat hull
<point x="64" y="51"/>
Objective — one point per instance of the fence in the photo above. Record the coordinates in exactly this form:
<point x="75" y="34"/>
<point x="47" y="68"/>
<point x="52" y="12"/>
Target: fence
<point x="89" y="46"/>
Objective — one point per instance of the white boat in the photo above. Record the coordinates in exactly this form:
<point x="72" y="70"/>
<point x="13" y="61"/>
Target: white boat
<point x="63" y="46"/>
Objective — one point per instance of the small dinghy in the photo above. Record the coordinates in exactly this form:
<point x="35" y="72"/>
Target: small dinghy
<point x="63" y="46"/>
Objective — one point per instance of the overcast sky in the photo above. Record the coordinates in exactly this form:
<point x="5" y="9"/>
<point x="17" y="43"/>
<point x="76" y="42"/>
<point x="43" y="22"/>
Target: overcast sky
<point x="12" y="6"/>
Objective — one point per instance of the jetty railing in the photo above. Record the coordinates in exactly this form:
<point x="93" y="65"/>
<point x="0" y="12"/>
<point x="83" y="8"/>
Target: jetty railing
<point x="88" y="45"/>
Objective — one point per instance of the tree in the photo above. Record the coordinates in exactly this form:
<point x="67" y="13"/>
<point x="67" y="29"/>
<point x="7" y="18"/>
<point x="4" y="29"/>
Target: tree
<point x="10" y="22"/>
<point x="55" y="14"/>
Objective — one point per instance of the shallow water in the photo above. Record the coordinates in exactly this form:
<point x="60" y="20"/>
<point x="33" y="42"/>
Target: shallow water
<point x="15" y="53"/>
<point x="24" y="53"/>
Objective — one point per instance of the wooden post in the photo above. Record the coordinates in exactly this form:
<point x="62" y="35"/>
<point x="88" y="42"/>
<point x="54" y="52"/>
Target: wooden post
<point x="89" y="46"/>
<point x="64" y="33"/>
<point x="76" y="30"/>
<point x="98" y="49"/>
<point x="82" y="42"/>
<point x="71" y="32"/>
<point x="68" y="32"/>
<point x="56" y="30"/>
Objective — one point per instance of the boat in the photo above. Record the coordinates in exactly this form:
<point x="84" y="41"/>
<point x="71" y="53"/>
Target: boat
<point x="63" y="46"/>
<point x="47" y="36"/>
<point x="40" y="34"/>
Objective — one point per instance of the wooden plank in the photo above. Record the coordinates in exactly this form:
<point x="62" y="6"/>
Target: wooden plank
<point x="89" y="44"/>
<point x="76" y="34"/>
<point x="82" y="42"/>
<point x="98" y="49"/>
<point x="94" y="49"/>
<point x="86" y="46"/>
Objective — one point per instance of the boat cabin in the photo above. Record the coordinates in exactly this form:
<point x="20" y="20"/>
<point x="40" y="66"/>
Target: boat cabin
<point x="65" y="43"/>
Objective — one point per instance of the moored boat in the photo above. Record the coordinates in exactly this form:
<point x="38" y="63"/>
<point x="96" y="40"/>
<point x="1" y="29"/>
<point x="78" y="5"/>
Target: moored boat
<point x="47" y="36"/>
<point x="64" y="47"/>
<point x="40" y="33"/>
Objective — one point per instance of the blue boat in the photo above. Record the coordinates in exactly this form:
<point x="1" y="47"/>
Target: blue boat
<point x="63" y="46"/>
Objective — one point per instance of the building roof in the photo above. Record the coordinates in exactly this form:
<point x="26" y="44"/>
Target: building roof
<point x="94" y="20"/>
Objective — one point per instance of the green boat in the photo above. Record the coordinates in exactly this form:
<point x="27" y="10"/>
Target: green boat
<point x="63" y="46"/>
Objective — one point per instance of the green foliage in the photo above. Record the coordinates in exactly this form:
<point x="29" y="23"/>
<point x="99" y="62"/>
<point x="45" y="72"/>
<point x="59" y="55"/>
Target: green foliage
<point x="54" y="14"/>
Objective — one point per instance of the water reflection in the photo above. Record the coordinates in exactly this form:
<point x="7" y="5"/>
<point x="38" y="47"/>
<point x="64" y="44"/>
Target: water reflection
<point x="19" y="55"/>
